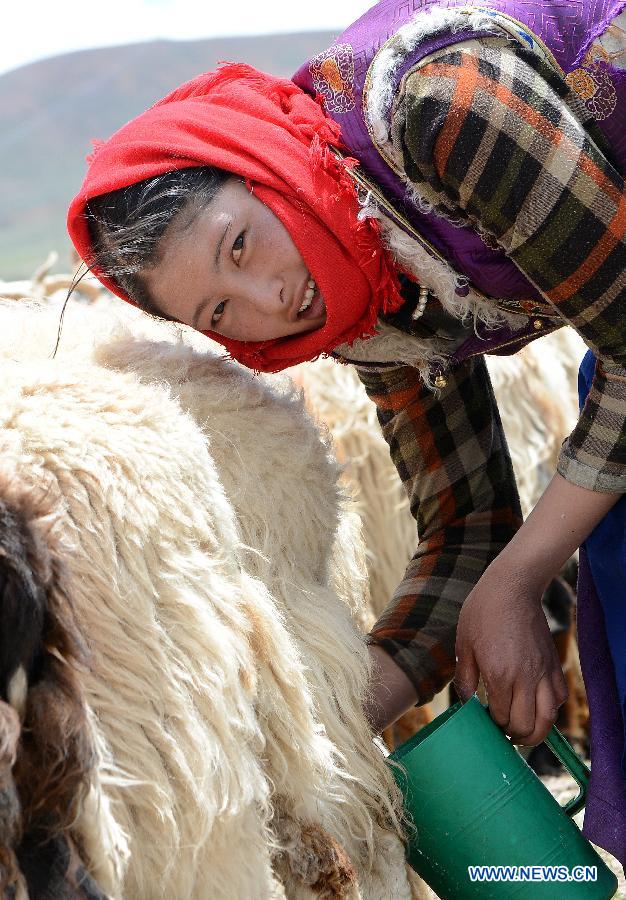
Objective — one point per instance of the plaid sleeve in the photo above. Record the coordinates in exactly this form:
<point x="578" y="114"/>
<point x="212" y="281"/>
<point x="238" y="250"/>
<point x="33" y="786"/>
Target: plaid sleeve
<point x="491" y="134"/>
<point x="451" y="454"/>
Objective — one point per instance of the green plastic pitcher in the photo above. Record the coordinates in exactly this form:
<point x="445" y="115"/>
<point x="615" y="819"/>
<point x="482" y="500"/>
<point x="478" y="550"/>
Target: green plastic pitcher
<point x="475" y="802"/>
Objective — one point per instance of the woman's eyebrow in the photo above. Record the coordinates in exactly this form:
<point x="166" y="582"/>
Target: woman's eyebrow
<point x="216" y="263"/>
<point x="218" y="249"/>
<point x="199" y="310"/>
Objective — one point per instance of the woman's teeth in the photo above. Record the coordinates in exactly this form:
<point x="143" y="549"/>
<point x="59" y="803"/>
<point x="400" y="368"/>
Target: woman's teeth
<point x="308" y="296"/>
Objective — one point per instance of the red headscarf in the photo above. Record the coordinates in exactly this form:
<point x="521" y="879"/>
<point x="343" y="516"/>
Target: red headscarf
<point x="278" y="138"/>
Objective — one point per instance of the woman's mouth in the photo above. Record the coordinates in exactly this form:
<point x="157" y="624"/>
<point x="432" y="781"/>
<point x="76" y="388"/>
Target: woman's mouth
<point x="312" y="306"/>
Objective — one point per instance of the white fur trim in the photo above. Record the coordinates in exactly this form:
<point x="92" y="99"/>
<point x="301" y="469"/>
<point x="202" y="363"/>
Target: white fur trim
<point x="386" y="62"/>
<point x="438" y="275"/>
<point x="389" y="344"/>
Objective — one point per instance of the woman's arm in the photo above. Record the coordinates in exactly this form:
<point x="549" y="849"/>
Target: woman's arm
<point x="501" y="634"/>
<point x="392" y="693"/>
<point x="450" y="452"/>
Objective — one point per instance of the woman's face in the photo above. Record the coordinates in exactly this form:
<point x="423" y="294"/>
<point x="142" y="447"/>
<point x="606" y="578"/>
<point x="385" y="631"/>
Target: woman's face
<point x="235" y="270"/>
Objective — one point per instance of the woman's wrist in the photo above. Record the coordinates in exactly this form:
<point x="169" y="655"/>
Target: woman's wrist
<point x="524" y="570"/>
<point x="391" y="693"/>
<point x="562" y="519"/>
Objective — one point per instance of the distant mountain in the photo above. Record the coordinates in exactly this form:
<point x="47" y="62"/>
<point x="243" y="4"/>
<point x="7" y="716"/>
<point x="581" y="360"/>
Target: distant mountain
<point x="50" y="111"/>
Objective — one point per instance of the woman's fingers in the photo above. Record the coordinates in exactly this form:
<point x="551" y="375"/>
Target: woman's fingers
<point x="500" y="697"/>
<point x="526" y="692"/>
<point x="546" y="710"/>
<point x="524" y="711"/>
<point x="559" y="685"/>
<point x="466" y="674"/>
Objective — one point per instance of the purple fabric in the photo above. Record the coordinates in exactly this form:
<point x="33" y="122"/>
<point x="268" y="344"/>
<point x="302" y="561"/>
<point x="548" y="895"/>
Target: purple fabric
<point x="605" y="812"/>
<point x="502" y="341"/>
<point x="339" y="75"/>
<point x="488" y="269"/>
<point x="614" y="127"/>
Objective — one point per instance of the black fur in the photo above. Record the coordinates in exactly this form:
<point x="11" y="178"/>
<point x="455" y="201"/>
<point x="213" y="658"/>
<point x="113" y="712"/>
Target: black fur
<point x="22" y="602"/>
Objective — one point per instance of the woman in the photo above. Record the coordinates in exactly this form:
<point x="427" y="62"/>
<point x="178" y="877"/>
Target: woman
<point x="488" y="208"/>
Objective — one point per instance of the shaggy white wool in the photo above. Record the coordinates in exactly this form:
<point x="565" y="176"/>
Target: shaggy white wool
<point x="226" y="674"/>
<point x="103" y="839"/>
<point x="337" y="399"/>
<point x="171" y="685"/>
<point x="258" y="483"/>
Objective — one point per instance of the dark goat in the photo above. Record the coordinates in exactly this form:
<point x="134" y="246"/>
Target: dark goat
<point x="46" y="753"/>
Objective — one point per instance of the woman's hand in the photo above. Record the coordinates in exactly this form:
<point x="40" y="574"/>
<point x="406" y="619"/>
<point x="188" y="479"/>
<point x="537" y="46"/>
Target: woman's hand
<point x="503" y="635"/>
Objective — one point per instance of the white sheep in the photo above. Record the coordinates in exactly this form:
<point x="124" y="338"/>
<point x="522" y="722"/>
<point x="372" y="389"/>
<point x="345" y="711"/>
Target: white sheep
<point x="200" y="514"/>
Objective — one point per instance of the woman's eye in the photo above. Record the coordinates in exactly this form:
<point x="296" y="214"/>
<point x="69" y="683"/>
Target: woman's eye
<point x="238" y="247"/>
<point x="218" y="312"/>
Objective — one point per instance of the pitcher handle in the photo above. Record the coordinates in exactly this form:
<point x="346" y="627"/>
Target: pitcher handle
<point x="566" y="754"/>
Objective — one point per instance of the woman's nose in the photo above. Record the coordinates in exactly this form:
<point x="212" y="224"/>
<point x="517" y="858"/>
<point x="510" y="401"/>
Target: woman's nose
<point x="266" y="295"/>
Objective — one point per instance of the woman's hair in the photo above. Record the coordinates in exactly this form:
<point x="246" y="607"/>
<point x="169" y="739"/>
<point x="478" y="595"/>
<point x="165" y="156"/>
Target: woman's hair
<point x="127" y="225"/>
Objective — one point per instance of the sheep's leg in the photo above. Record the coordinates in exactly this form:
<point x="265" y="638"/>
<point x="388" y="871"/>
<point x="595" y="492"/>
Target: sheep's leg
<point x="10" y="810"/>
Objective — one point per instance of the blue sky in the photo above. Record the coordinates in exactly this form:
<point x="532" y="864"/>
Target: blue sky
<point x="50" y="28"/>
